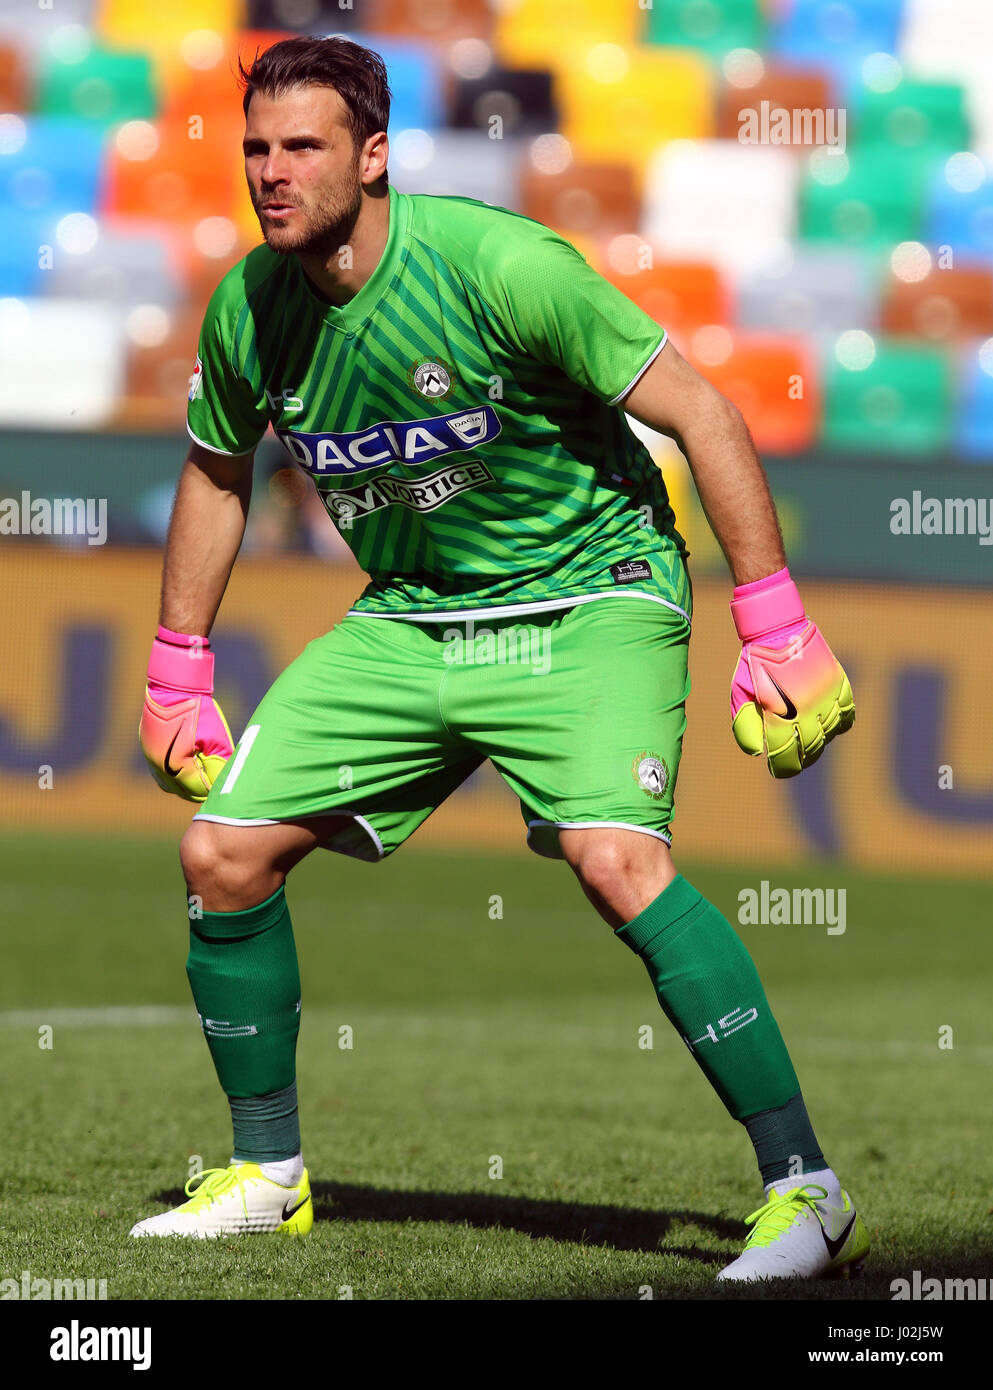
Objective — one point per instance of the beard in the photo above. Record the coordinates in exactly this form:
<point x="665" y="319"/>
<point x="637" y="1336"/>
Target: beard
<point x="322" y="226"/>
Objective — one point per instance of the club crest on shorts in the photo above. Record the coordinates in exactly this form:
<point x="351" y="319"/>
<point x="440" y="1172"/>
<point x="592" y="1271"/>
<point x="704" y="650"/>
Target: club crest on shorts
<point x="432" y="379"/>
<point x="651" y="774"/>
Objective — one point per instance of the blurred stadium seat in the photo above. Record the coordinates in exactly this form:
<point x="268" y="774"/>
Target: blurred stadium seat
<point x="522" y="99"/>
<point x="105" y="85"/>
<point x="50" y="165"/>
<point x="772" y="379"/>
<point x="621" y="128"/>
<point x="960" y="211"/>
<point x="634" y="99"/>
<point x="929" y="117"/>
<point x="13" y="79"/>
<point x="836" y="34"/>
<point x="158" y="373"/>
<point x="788" y="88"/>
<point x="582" y="199"/>
<point x="871" y="198"/>
<point x="943" y="305"/>
<point x="900" y="402"/>
<point x="439" y="20"/>
<point x="818" y="290"/>
<point x="715" y="27"/>
<point x="730" y="203"/>
<point x="460" y="163"/>
<point x="527" y="33"/>
<point x="680" y="295"/>
<point x="973" y="438"/>
<point x="61" y="361"/>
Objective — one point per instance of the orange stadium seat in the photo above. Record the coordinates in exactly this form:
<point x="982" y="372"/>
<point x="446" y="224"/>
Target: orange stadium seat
<point x="157" y="378"/>
<point x="945" y="305"/>
<point x="442" y="20"/>
<point x="192" y="170"/>
<point x="796" y="89"/>
<point x="13" y="80"/>
<point x="582" y="198"/>
<point x="772" y="380"/>
<point x="680" y="295"/>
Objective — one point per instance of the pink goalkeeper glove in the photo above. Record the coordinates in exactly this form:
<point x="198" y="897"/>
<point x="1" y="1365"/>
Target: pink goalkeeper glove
<point x="183" y="734"/>
<point x="789" y="695"/>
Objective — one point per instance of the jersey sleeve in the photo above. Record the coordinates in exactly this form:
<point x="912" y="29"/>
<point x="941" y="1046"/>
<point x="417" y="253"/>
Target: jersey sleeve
<point x="567" y="315"/>
<point x="227" y="409"/>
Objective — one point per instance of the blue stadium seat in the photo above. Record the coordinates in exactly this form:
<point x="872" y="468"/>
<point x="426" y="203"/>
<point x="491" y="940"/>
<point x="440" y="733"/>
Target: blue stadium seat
<point x="416" y="81"/>
<point x="961" y="219"/>
<point x="23" y="234"/>
<point x="973" y="428"/>
<point x="836" y="34"/>
<point x="56" y="170"/>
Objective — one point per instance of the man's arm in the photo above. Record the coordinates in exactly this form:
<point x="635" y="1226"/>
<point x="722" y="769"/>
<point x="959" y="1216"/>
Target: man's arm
<point x="205" y="535"/>
<point x="183" y="734"/>
<point x="673" y="398"/>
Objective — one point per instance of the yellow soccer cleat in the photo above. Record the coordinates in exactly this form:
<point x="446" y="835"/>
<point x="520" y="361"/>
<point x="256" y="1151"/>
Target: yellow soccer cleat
<point x="235" y="1201"/>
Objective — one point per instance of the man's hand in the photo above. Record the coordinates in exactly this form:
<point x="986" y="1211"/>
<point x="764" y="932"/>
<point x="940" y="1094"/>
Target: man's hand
<point x="183" y="734"/>
<point x="789" y="695"/>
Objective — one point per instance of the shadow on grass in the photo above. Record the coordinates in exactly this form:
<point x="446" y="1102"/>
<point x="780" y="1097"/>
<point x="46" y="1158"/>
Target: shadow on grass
<point x="616" y="1228"/>
<point x="645" y="1231"/>
<point x="619" y="1228"/>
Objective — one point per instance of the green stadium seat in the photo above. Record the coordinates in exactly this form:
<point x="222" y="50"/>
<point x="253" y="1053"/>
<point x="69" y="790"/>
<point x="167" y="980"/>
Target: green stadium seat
<point x="922" y="116"/>
<point x="900" y="403"/>
<point x="714" y="27"/>
<point x="105" y="87"/>
<point x="868" y="198"/>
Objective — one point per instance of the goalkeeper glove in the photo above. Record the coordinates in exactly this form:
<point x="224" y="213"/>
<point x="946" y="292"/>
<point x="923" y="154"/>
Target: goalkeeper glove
<point x="789" y="695"/>
<point x="183" y="734"/>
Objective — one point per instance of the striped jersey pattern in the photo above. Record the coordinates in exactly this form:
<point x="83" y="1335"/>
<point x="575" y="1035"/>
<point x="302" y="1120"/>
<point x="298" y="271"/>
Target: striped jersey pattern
<point x="458" y="416"/>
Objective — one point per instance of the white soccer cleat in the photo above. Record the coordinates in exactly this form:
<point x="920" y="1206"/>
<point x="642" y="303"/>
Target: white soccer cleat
<point x="802" y="1234"/>
<point x="235" y="1201"/>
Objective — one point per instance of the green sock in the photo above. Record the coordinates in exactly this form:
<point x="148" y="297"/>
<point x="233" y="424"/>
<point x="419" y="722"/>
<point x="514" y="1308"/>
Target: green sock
<point x="785" y="1143"/>
<point x="242" y="968"/>
<point x="710" y="991"/>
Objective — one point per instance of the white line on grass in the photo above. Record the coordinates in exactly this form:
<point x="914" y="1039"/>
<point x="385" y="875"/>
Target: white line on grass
<point x="124" y="1016"/>
<point x="424" y="1025"/>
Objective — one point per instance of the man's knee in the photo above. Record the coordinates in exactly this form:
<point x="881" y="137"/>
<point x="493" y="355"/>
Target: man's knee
<point x="222" y="866"/>
<point x="621" y="871"/>
<point x="600" y="861"/>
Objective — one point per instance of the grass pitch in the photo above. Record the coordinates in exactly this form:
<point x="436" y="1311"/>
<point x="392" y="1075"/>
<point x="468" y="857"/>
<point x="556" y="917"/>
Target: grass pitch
<point x="494" y="1130"/>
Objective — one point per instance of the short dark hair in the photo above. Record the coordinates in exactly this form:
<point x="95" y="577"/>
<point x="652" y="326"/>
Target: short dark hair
<point x="357" y="74"/>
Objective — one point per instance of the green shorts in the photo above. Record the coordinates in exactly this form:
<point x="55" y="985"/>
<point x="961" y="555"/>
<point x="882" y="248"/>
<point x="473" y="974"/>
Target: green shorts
<point x="580" y="710"/>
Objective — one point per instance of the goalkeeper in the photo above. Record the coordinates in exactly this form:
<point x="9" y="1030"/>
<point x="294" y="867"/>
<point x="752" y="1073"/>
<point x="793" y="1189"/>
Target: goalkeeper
<point x="456" y="385"/>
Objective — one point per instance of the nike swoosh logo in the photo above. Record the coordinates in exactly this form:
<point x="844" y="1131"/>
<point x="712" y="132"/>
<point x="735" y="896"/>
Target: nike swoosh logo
<point x="289" y="1211"/>
<point x="790" y="706"/>
<point x="834" y="1246"/>
<point x="174" y="771"/>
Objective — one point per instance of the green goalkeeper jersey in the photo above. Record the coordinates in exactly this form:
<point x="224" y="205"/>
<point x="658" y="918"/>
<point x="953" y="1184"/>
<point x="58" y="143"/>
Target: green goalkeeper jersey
<point x="458" y="415"/>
